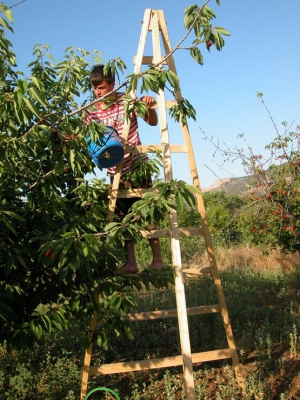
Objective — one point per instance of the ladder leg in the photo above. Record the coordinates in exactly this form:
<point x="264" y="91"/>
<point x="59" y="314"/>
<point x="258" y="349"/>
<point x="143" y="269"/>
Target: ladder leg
<point x="87" y="359"/>
<point x="201" y="209"/>
<point x="182" y="312"/>
<point x="228" y="330"/>
<point x="175" y="244"/>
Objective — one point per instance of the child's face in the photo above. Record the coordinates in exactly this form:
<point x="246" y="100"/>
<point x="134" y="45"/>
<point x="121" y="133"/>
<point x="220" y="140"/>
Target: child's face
<point x="103" y="88"/>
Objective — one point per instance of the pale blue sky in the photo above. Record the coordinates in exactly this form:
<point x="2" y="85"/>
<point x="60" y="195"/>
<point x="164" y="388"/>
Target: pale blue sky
<point x="262" y="54"/>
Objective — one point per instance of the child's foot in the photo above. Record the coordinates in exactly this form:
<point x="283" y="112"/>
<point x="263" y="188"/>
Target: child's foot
<point x="156" y="265"/>
<point x="128" y="269"/>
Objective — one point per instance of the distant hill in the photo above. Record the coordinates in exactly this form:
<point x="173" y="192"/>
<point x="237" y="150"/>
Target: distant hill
<point x="230" y="185"/>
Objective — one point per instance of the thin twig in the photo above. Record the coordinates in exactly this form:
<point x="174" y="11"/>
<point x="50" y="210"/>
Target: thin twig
<point x="17" y="4"/>
<point x="41" y="177"/>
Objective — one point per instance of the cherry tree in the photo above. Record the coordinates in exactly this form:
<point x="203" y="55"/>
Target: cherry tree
<point x="57" y="250"/>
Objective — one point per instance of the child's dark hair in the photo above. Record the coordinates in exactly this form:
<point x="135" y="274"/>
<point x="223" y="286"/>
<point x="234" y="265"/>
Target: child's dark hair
<point x="97" y="75"/>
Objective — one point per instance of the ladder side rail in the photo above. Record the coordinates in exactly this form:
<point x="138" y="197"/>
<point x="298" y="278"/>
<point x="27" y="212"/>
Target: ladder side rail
<point x="175" y="243"/>
<point x="201" y="209"/>
<point x="185" y="130"/>
<point x="88" y="354"/>
<point x="126" y="128"/>
<point x="138" y="59"/>
<point x="113" y="197"/>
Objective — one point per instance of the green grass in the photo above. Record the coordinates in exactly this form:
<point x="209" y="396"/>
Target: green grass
<point x="264" y="308"/>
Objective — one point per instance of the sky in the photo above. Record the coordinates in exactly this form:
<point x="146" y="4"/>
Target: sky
<point x="262" y="54"/>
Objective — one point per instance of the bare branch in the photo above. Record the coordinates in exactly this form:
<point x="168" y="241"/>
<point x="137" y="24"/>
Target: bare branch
<point x="17" y="4"/>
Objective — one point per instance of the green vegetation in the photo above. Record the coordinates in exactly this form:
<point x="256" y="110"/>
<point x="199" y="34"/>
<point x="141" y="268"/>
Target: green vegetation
<point x="271" y="214"/>
<point x="57" y="251"/>
<point x="264" y="308"/>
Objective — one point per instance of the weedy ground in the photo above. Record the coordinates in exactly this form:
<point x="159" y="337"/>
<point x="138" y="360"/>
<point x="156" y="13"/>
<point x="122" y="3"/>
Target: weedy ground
<point x="263" y="298"/>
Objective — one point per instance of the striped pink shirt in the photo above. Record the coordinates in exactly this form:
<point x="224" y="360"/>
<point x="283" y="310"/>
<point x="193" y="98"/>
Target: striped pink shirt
<point x="115" y="117"/>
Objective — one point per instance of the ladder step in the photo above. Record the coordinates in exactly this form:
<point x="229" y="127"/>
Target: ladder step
<point x="165" y="362"/>
<point x="147" y="60"/>
<point x="192" y="272"/>
<point x="159" y="314"/>
<point x="133" y="193"/>
<point x="165" y="233"/>
<point x="150" y="148"/>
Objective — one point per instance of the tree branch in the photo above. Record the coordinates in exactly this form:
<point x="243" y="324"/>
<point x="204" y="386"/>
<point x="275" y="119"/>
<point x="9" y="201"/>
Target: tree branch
<point x="17" y="4"/>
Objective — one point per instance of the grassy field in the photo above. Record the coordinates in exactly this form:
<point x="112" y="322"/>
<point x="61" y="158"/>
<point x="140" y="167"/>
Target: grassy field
<point x="263" y="299"/>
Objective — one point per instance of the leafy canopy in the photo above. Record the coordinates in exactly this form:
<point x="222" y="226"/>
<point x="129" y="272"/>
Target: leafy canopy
<point x="58" y="255"/>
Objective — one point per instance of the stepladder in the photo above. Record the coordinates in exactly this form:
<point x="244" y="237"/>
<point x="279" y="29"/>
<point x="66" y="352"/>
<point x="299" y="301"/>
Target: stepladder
<point x="154" y="22"/>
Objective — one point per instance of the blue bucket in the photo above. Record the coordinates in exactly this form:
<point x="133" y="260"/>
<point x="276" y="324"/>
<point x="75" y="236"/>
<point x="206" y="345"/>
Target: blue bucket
<point x="108" y="151"/>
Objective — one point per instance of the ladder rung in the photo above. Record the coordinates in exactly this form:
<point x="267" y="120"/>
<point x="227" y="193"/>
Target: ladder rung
<point x="159" y="314"/>
<point x="164" y="233"/>
<point x="133" y="193"/>
<point x="190" y="231"/>
<point x="156" y="233"/>
<point x="150" y="148"/>
<point x="147" y="60"/>
<point x="168" y="103"/>
<point x="165" y="362"/>
<point x="192" y="272"/>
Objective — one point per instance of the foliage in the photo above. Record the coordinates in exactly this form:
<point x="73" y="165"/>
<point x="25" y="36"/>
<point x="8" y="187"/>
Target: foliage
<point x="271" y="215"/>
<point x="222" y="210"/>
<point x="264" y="310"/>
<point x="56" y="251"/>
<point x="275" y="212"/>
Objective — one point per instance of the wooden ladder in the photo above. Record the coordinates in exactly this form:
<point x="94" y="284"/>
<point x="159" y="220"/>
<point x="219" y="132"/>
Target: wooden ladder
<point x="154" y="22"/>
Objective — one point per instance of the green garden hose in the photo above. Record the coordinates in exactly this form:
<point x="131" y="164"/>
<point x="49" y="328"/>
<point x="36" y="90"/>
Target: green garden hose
<point x="103" y="389"/>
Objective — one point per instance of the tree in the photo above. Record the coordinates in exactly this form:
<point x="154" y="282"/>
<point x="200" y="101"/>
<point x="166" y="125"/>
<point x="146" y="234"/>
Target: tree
<point x="221" y="209"/>
<point x="57" y="251"/>
<point x="271" y="216"/>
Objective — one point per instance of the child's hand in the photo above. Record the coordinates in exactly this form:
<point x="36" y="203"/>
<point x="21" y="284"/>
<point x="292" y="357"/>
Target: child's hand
<point x="149" y="100"/>
<point x="151" y="117"/>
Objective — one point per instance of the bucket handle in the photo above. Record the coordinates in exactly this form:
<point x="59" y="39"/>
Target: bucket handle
<point x="104" y="139"/>
<point x="112" y="130"/>
<point x="102" y="389"/>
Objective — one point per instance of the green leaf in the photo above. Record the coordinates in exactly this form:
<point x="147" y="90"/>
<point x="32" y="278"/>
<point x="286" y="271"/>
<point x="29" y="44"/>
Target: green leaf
<point x="5" y="24"/>
<point x="7" y="12"/>
<point x="36" y="329"/>
<point x="18" y="98"/>
<point x="47" y="322"/>
<point x="8" y="224"/>
<point x="84" y="248"/>
<point x="115" y="301"/>
<point x="75" y="305"/>
<point x="71" y="159"/>
<point x="39" y="96"/>
<point x="193" y="188"/>
<point x="179" y="200"/>
<point x="57" y="325"/>
<point x="197" y="55"/>
<point x="59" y="167"/>
<point x="63" y="272"/>
<point x="12" y="214"/>
<point x="37" y="83"/>
<point x="32" y="107"/>
<point x="23" y="85"/>
<point x="222" y="31"/>
<point x="172" y="79"/>
<point x="145" y="84"/>
<point x="133" y="82"/>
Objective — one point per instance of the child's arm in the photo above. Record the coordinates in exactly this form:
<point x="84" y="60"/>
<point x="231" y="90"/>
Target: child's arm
<point x="151" y="116"/>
